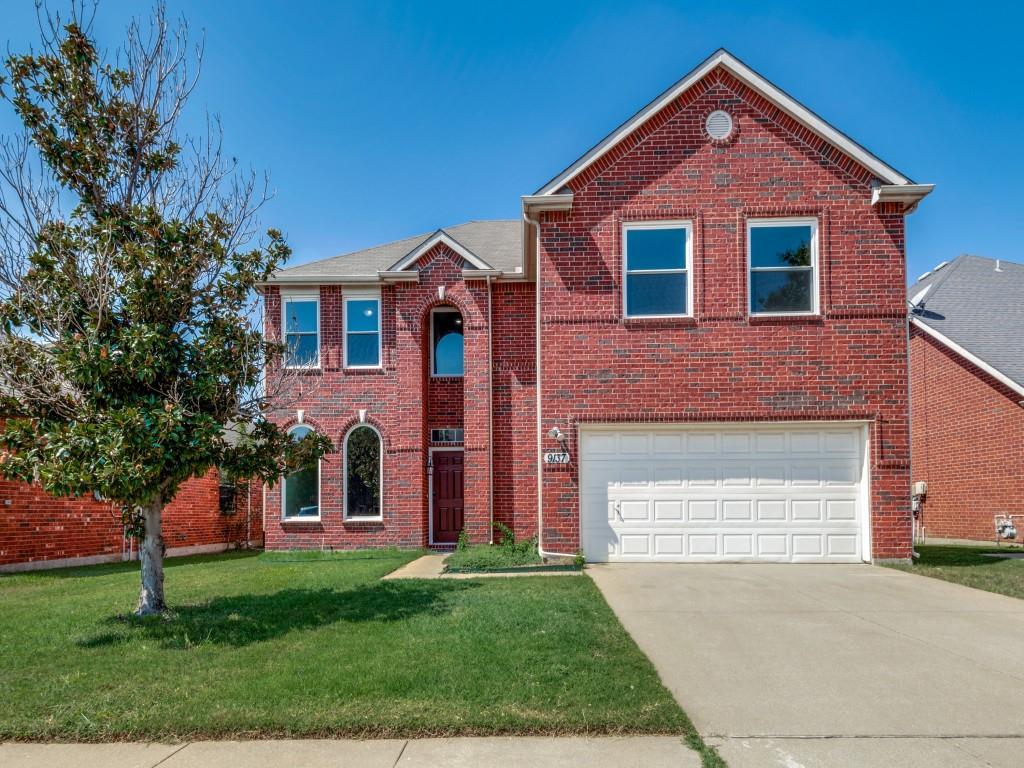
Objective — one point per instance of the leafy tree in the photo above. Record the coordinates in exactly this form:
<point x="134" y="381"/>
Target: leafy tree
<point x="129" y="262"/>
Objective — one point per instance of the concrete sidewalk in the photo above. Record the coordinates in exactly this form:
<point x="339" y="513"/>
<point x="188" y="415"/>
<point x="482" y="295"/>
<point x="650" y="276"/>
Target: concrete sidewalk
<point x="531" y="752"/>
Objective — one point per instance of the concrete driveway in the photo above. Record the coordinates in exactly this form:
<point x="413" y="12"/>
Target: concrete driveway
<point x="831" y="665"/>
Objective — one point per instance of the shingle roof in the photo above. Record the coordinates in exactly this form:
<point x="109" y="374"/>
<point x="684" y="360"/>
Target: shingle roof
<point x="498" y="243"/>
<point x="978" y="303"/>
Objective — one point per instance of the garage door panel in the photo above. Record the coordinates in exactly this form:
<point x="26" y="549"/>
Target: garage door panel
<point x="669" y="510"/>
<point x="633" y="510"/>
<point x="702" y="510"/>
<point x="669" y="445"/>
<point x="738" y="509"/>
<point x="702" y="443"/>
<point x="778" y="493"/>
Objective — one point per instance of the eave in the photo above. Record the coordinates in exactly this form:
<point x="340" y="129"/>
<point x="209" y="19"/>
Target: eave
<point x="908" y="195"/>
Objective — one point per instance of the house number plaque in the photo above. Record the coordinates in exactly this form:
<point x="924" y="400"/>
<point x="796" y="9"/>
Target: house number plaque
<point x="556" y="457"/>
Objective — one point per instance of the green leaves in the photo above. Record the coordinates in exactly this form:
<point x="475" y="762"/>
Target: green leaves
<point x="127" y="351"/>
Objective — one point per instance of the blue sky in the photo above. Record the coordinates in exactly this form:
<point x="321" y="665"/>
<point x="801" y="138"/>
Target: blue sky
<point x="379" y="120"/>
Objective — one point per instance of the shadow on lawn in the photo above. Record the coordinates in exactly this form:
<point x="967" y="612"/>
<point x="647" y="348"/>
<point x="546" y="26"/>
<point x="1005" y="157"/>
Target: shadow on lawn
<point x="241" y="620"/>
<point x="937" y="555"/>
<point x="132" y="566"/>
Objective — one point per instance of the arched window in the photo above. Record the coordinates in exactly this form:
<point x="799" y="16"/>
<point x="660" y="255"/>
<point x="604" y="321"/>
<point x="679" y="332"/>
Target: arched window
<point x="300" y="494"/>
<point x="363" y="469"/>
<point x="446" y="342"/>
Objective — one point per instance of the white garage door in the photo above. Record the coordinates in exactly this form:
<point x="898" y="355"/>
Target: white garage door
<point x="782" y="493"/>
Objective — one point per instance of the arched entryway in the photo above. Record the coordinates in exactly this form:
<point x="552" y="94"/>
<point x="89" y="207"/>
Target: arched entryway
<point x="445" y="418"/>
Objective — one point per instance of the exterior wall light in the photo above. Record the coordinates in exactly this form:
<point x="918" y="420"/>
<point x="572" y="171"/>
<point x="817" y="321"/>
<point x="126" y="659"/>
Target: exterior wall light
<point x="556" y="434"/>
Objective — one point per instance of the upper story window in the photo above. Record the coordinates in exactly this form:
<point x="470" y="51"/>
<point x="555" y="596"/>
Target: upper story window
<point x="656" y="260"/>
<point x="783" y="258"/>
<point x="301" y="320"/>
<point x="300" y="492"/>
<point x="362" y="331"/>
<point x="446" y="350"/>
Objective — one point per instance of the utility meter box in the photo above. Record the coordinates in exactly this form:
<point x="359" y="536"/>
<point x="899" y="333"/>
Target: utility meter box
<point x="920" y="488"/>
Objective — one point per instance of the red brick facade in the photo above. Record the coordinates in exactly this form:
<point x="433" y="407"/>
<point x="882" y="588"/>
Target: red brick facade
<point x="968" y="443"/>
<point x="404" y="403"/>
<point x="37" y="529"/>
<point x="849" y="362"/>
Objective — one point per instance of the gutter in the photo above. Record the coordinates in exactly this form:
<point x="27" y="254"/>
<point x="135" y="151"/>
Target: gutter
<point x="907" y="194"/>
<point x="384" y="276"/>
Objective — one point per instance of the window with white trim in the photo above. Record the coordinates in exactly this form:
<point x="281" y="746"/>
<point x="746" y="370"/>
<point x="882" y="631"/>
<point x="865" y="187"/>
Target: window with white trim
<point x="656" y="259"/>
<point x="300" y="492"/>
<point x="363" y="470"/>
<point x="300" y="317"/>
<point x="362" y="331"/>
<point x="783" y="261"/>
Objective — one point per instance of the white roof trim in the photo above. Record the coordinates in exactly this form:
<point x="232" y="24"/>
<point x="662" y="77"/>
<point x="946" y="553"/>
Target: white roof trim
<point x="908" y="194"/>
<point x="480" y="274"/>
<point x="945" y="340"/>
<point x="438" y="237"/>
<point x="559" y="202"/>
<point x="741" y="71"/>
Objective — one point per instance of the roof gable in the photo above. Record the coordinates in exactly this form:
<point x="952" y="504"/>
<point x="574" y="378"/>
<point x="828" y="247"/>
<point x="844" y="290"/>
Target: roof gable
<point x="783" y="101"/>
<point x="440" y="237"/>
<point x="495" y="244"/>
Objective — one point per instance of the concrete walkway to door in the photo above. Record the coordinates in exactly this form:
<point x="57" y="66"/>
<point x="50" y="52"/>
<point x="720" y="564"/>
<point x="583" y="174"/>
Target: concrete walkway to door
<point x="831" y="665"/>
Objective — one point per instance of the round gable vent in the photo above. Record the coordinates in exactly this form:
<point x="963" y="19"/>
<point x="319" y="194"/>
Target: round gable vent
<point x="719" y="125"/>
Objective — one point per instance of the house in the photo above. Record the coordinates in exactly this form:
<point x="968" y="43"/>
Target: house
<point x="41" y="531"/>
<point x="967" y="393"/>
<point x="691" y="347"/>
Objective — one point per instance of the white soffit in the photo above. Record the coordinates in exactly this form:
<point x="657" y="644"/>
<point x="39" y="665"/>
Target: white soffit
<point x="756" y="82"/>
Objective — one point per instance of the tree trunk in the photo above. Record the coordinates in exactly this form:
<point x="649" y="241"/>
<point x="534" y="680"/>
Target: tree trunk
<point x="151" y="557"/>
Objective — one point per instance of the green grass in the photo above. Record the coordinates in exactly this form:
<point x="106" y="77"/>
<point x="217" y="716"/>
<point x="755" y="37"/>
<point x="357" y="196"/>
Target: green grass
<point x="492" y="557"/>
<point x="299" y="644"/>
<point x="967" y="565"/>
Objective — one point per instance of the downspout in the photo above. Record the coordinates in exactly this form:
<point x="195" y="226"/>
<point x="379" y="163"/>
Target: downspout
<point x="248" y="515"/>
<point x="490" y="411"/>
<point x="540" y="429"/>
<point x="914" y="554"/>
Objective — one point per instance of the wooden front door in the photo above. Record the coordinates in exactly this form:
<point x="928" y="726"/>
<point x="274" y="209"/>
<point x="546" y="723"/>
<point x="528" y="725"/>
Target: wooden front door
<point x="446" y="501"/>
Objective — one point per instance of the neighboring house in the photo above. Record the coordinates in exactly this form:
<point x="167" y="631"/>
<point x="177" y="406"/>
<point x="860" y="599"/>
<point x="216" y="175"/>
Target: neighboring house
<point x="706" y="310"/>
<point x="967" y="393"/>
<point x="40" y="531"/>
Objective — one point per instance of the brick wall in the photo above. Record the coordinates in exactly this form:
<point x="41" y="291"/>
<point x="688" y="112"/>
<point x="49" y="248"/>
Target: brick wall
<point x="36" y="527"/>
<point x="968" y="443"/>
<point x="403" y="402"/>
<point x="721" y="365"/>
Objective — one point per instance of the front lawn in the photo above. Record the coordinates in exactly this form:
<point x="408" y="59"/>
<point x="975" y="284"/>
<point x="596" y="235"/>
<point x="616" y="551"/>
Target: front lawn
<point x="311" y="645"/>
<point x="967" y="565"/>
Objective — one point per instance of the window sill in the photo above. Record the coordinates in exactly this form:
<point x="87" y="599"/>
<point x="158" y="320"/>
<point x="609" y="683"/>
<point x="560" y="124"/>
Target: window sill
<point x="300" y="520"/>
<point x="350" y="520"/>
<point x="678" y="321"/>
<point x="786" y="319"/>
<point x="375" y="370"/>
<point x="309" y="370"/>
